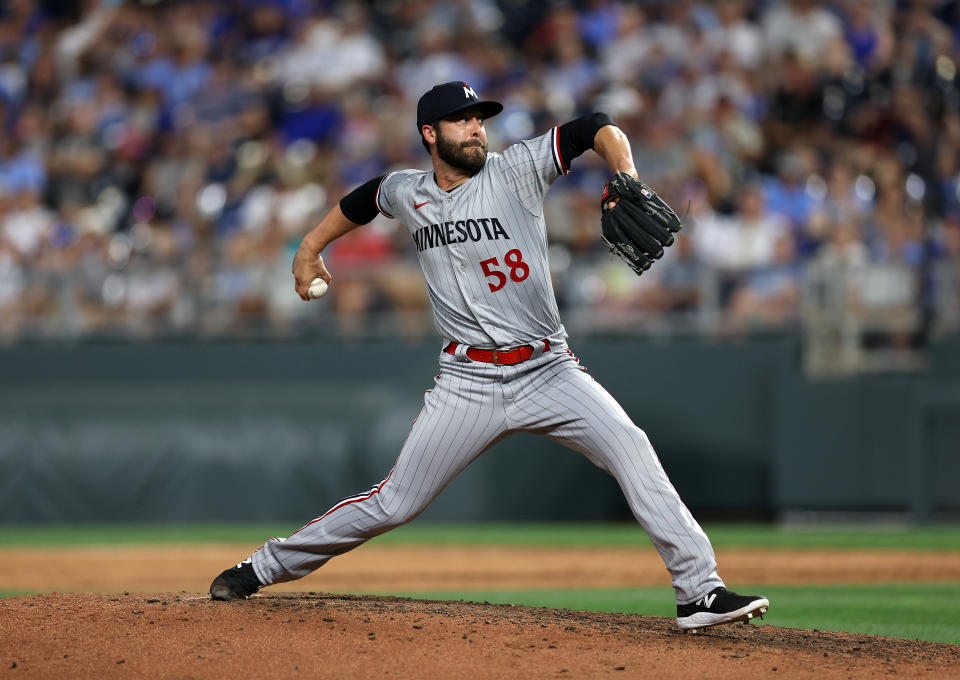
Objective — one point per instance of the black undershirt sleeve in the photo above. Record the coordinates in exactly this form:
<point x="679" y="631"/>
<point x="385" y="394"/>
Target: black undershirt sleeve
<point x="575" y="137"/>
<point x="360" y="205"/>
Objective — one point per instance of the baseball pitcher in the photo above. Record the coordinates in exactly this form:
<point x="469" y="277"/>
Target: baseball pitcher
<point x="477" y="222"/>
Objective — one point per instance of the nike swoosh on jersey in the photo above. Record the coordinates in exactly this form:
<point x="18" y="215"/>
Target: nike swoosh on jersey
<point x="417" y="206"/>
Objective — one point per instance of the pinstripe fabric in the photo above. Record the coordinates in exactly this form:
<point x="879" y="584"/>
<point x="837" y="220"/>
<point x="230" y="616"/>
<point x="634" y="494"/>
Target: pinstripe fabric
<point x="564" y="403"/>
<point x="510" y="189"/>
<point x="461" y="417"/>
<point x="474" y="405"/>
<point x="466" y="240"/>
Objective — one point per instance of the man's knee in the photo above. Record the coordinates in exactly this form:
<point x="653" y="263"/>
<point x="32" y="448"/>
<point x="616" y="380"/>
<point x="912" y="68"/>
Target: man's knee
<point x="634" y="440"/>
<point x="394" y="512"/>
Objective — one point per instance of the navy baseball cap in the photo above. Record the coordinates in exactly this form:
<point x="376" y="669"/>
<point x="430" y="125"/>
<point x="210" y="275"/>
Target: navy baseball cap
<point x="449" y="98"/>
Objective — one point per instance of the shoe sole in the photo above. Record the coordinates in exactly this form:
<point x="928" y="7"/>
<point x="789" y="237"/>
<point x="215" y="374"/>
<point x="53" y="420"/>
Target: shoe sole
<point x="755" y="609"/>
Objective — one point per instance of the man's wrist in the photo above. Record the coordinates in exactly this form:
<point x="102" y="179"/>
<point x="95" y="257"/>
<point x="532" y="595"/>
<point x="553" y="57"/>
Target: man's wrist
<point x="311" y="247"/>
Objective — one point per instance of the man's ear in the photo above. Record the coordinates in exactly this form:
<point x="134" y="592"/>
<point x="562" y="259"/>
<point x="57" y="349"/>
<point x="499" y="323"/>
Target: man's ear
<point x="429" y="133"/>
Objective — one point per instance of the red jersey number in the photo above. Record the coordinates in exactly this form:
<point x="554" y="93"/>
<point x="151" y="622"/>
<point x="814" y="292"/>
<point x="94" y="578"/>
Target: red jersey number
<point x="519" y="270"/>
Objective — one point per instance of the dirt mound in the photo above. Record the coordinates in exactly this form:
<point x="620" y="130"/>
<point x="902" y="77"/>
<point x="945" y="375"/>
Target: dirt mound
<point x="315" y="635"/>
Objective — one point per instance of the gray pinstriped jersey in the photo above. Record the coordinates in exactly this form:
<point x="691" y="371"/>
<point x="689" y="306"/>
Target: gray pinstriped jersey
<point x="483" y="246"/>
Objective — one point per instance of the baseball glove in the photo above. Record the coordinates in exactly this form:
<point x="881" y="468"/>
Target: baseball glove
<point x="640" y="225"/>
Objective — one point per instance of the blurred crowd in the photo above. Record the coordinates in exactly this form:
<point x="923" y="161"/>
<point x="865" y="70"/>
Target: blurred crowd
<point x="160" y="161"/>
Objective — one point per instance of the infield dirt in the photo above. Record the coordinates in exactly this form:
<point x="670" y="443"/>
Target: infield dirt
<point x="315" y="635"/>
<point x="342" y="636"/>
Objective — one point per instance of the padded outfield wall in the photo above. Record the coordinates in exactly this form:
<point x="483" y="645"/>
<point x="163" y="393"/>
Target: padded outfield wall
<point x="248" y="431"/>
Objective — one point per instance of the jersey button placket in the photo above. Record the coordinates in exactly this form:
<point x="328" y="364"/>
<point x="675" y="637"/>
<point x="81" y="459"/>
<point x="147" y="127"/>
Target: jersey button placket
<point x="456" y="256"/>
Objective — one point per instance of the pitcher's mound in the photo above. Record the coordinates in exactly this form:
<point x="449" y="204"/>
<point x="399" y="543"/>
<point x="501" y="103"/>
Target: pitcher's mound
<point x="313" y="635"/>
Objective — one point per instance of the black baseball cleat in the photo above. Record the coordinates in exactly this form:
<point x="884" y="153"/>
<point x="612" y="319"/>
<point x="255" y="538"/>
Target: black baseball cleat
<point x="720" y="606"/>
<point x="236" y="583"/>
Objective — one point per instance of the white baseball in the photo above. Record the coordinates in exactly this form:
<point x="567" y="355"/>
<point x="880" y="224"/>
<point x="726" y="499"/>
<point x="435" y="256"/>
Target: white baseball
<point x="318" y="288"/>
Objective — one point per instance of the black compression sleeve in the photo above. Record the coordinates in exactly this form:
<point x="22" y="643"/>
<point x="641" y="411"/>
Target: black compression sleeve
<point x="360" y="205"/>
<point x="575" y="137"/>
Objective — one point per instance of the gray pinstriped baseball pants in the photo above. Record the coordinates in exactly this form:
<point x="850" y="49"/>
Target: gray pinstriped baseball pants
<point x="472" y="406"/>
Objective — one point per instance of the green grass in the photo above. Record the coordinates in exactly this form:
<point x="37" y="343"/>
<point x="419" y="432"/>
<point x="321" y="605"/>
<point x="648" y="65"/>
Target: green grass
<point x="919" y="611"/>
<point x="560" y="535"/>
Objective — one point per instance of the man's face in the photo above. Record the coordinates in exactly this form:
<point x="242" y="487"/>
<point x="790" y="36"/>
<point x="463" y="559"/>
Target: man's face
<point x="462" y="141"/>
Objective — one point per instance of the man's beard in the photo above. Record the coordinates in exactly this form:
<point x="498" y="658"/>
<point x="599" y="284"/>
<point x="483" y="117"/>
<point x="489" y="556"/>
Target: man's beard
<point x="462" y="155"/>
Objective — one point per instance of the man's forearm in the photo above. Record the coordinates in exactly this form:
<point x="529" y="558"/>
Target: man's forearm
<point x="333" y="225"/>
<point x="308" y="263"/>
<point x="614" y="147"/>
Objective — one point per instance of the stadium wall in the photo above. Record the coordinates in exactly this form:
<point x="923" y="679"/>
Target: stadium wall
<point x="263" y="432"/>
